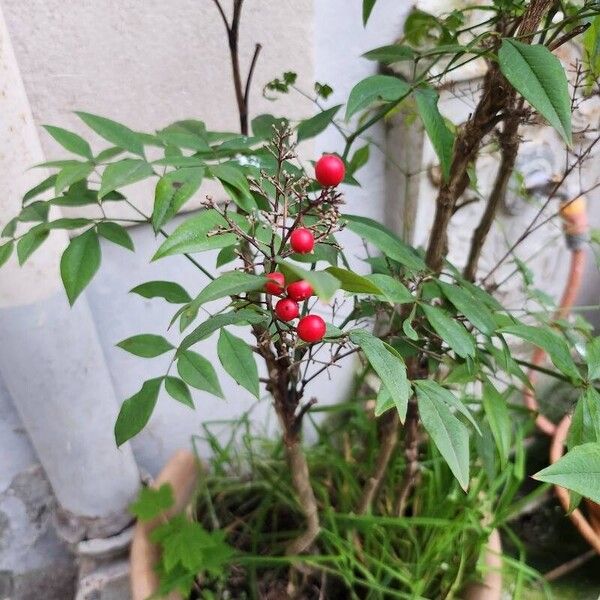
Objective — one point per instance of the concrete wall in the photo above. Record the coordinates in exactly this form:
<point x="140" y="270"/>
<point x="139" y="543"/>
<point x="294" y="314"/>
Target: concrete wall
<point x="147" y="64"/>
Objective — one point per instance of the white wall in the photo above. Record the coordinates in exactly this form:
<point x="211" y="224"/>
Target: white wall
<point x="169" y="61"/>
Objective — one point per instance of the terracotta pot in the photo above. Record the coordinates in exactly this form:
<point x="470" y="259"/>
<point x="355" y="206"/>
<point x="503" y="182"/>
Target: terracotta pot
<point x="491" y="586"/>
<point x="589" y="526"/>
<point x="181" y="472"/>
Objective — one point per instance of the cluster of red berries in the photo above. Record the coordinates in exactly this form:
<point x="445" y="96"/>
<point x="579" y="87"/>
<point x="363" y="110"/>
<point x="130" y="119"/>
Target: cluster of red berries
<point x="311" y="328"/>
<point x="329" y="171"/>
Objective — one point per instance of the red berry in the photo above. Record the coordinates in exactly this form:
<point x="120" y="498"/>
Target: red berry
<point x="311" y="328"/>
<point x="276" y="285"/>
<point x="300" y="290"/>
<point x="302" y="240"/>
<point x="330" y="170"/>
<point x="287" y="309"/>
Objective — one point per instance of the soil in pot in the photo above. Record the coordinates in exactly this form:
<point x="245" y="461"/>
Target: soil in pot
<point x="430" y="552"/>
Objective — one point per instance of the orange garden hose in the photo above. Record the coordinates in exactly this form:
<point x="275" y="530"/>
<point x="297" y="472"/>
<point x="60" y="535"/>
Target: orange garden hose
<point x="575" y="226"/>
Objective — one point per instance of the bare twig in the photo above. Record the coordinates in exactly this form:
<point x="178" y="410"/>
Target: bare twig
<point x="257" y="50"/>
<point x="570" y="565"/>
<point x="509" y="143"/>
<point x="534" y="225"/>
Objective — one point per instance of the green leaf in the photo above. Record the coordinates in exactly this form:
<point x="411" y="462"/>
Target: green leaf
<point x="388" y="365"/>
<point x="72" y="174"/>
<point x="146" y="345"/>
<point x="550" y="342"/>
<point x="9" y="229"/>
<point x="359" y="159"/>
<point x="79" y="263"/>
<point x="136" y="411"/>
<point x="309" y="128"/>
<point x="184" y="139"/>
<point x="212" y="324"/>
<point x="592" y="358"/>
<point x="262" y="125"/>
<point x="235" y="183"/>
<point x="229" y="284"/>
<point x="107" y="154"/>
<point x="390" y="54"/>
<point x="36" y="211"/>
<point x="578" y="470"/>
<point x="375" y="88"/>
<point x="391" y="289"/>
<point x="172" y="292"/>
<point x="383" y="239"/>
<point x="152" y="502"/>
<point x="5" y="251"/>
<point x="115" y="233"/>
<point x="449" y="435"/>
<point x="324" y="284"/>
<point x="179" y="391"/>
<point x="64" y="223"/>
<point x="193" y="235"/>
<point x="451" y="332"/>
<point x="198" y="372"/>
<point x="407" y="327"/>
<point x="591" y="47"/>
<point x="321" y="252"/>
<point x="70" y="141"/>
<point x="187" y="548"/>
<point x="439" y="393"/>
<point x="496" y="411"/>
<point x="442" y="139"/>
<point x="29" y="243"/>
<point x="226" y="255"/>
<point x="384" y="401"/>
<point x="123" y="172"/>
<point x="585" y="424"/>
<point x="477" y="313"/>
<point x="237" y="359"/>
<point x="114" y="132"/>
<point x="540" y="78"/>
<point x="367" y="9"/>
<point x="41" y="187"/>
<point x="352" y="282"/>
<point x="173" y="191"/>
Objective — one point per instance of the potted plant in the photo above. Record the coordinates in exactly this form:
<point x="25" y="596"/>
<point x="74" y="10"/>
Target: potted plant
<point x="420" y="466"/>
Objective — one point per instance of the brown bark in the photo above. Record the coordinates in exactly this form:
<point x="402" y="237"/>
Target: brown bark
<point x="496" y="93"/>
<point x="509" y="143"/>
<point x="306" y="496"/>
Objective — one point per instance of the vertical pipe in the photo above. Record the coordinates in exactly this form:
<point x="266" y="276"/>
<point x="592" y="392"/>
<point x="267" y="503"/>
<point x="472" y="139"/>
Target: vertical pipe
<point x="50" y="357"/>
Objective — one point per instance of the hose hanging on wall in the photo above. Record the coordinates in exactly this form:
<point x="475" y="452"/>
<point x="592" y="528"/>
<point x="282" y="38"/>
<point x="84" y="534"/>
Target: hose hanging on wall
<point x="575" y="227"/>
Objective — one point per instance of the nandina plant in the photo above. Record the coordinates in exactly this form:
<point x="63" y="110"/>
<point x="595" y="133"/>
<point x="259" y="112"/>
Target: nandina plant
<point x="431" y="334"/>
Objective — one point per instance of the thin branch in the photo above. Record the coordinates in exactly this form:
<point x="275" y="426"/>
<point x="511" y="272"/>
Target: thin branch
<point x="257" y="50"/>
<point x="509" y="142"/>
<point x="328" y="365"/>
<point x="568" y="36"/>
<point x="533" y="225"/>
<point x="222" y="13"/>
<point x="166" y="235"/>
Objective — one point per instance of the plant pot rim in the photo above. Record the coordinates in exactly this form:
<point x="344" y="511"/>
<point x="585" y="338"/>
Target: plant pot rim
<point x="181" y="472"/>
<point x="588" y="528"/>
